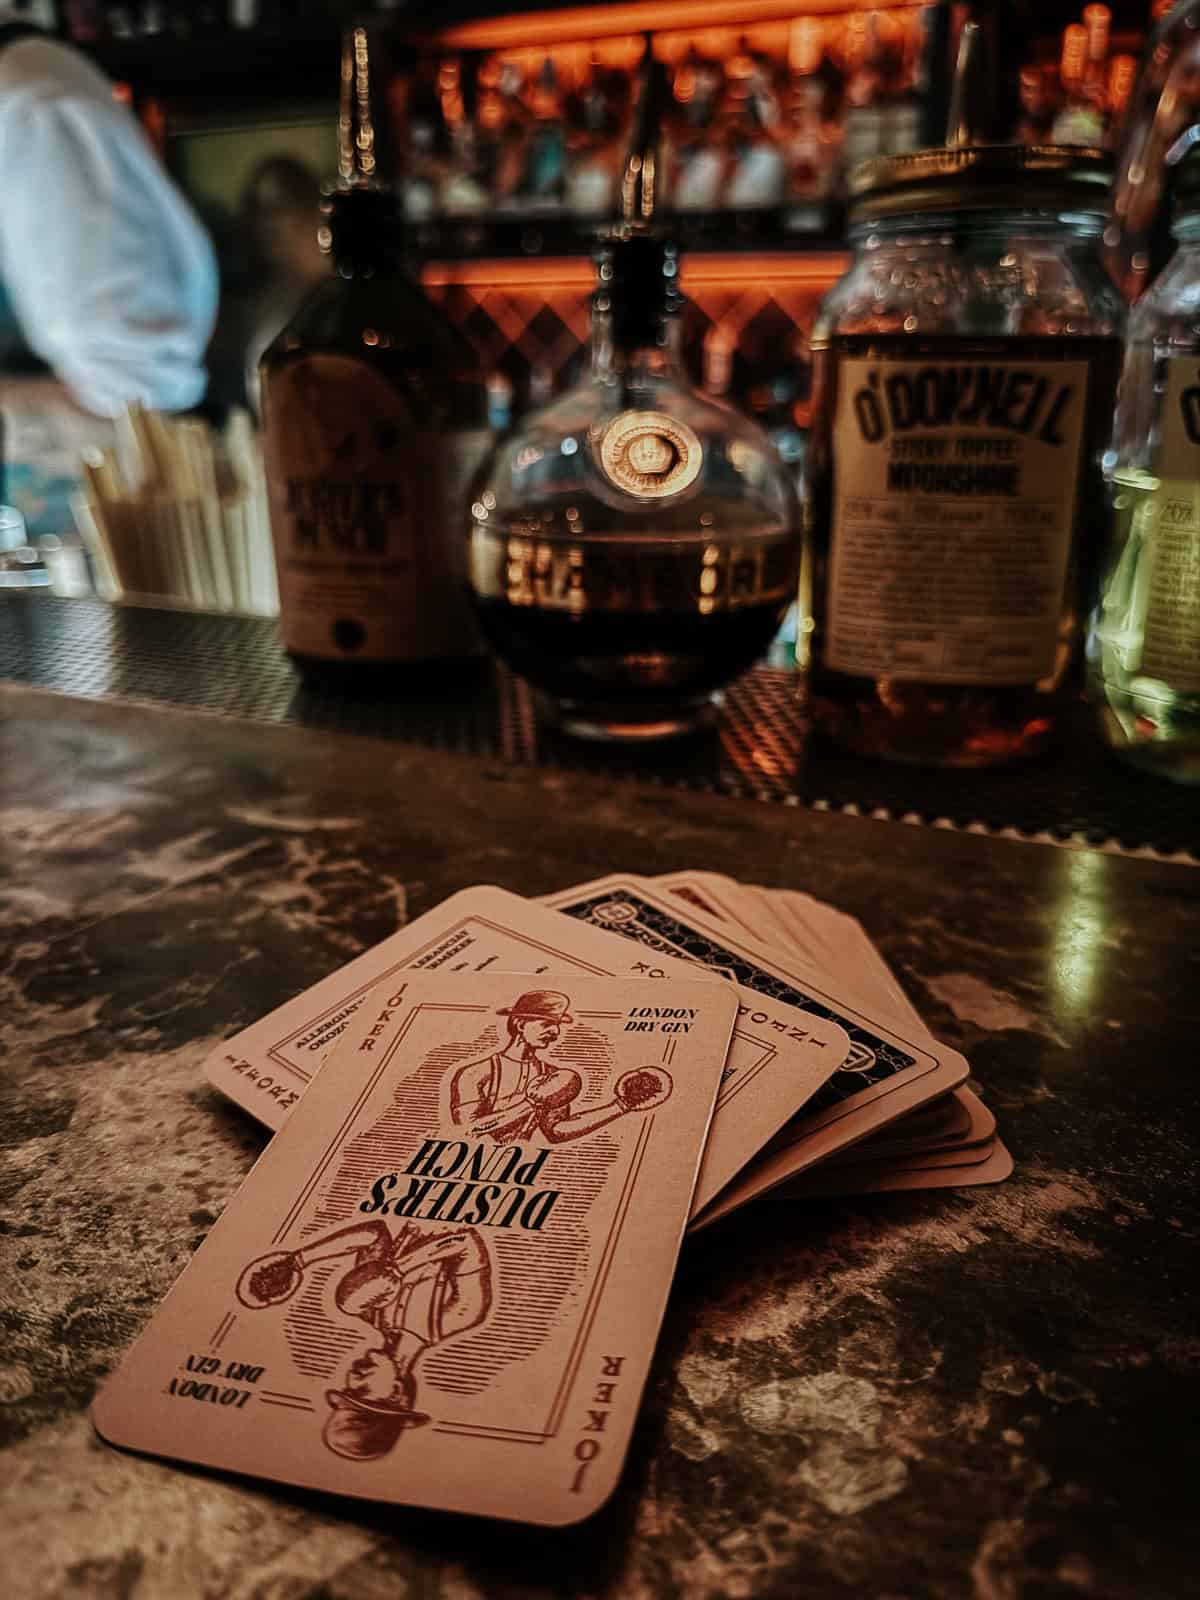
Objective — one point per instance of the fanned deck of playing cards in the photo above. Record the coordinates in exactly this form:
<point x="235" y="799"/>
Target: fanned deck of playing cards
<point x="493" y="1129"/>
<point x="466" y="1232"/>
<point x="945" y="1141"/>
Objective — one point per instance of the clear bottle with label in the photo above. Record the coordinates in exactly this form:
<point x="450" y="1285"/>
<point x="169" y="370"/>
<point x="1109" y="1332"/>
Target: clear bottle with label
<point x="964" y="373"/>
<point x="1144" y="644"/>
<point x="635" y="544"/>
<point x="374" y="419"/>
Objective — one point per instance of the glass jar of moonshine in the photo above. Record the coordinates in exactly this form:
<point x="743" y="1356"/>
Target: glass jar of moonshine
<point x="1144" y="646"/>
<point x="964" y="370"/>
<point x="635" y="544"/>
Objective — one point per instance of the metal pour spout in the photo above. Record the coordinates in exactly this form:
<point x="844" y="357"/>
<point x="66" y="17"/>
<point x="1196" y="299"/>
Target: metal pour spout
<point x="963" y="88"/>
<point x="984" y="94"/>
<point x="642" y="178"/>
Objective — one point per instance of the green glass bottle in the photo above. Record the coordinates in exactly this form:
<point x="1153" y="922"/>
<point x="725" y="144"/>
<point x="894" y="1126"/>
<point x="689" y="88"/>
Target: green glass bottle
<point x="1144" y="643"/>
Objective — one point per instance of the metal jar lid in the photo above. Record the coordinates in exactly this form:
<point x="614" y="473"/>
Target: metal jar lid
<point x="989" y="177"/>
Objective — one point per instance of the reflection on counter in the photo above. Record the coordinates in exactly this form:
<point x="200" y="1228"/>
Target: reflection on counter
<point x="1082" y="933"/>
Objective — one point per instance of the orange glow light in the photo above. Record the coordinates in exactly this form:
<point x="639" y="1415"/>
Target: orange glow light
<point x="698" y="271"/>
<point x="1074" y="53"/>
<point x="636" y="17"/>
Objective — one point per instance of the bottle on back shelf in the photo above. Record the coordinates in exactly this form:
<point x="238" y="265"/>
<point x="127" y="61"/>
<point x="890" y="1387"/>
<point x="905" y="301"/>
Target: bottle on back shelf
<point x="544" y="180"/>
<point x="1080" y="120"/>
<point x="427" y="142"/>
<point x="634" y="545"/>
<point x="812" y="132"/>
<point x="1097" y="20"/>
<point x="510" y="127"/>
<point x="750" y="124"/>
<point x="698" y="176"/>
<point x="1122" y="74"/>
<point x="596" y="121"/>
<point x="463" y="194"/>
<point x="809" y="157"/>
<point x="863" y="135"/>
<point x="1040" y="105"/>
<point x="374" y="416"/>
<point x="903" y="93"/>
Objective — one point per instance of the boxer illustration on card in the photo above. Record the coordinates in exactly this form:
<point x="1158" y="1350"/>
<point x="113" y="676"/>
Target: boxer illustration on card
<point x="428" y="1283"/>
<point x="414" y="1290"/>
<point x="514" y="1094"/>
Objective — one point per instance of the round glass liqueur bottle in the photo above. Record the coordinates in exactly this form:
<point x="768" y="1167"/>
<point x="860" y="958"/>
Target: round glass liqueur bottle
<point x="634" y="544"/>
<point x="1144" y="645"/>
<point x="964" y="371"/>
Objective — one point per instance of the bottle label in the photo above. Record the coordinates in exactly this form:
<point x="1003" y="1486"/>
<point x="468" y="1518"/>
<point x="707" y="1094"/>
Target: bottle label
<point x="644" y="574"/>
<point x="369" y="516"/>
<point x="649" y="455"/>
<point x="1171" y="648"/>
<point x="954" y="497"/>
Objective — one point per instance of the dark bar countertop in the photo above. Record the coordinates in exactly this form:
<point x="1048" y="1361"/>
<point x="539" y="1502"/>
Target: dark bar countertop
<point x="982" y="1394"/>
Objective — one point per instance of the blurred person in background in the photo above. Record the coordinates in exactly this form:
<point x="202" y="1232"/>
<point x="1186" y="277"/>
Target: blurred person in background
<point x="105" y="272"/>
<point x="279" y="220"/>
<point x="106" y="276"/>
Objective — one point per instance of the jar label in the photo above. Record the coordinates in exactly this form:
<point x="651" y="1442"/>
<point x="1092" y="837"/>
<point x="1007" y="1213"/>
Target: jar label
<point x="1171" y="648"/>
<point x="369" y="516"/>
<point x="954" y="495"/>
<point x="649" y="455"/>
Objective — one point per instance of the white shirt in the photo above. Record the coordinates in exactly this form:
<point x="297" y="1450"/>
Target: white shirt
<point x="109" y="272"/>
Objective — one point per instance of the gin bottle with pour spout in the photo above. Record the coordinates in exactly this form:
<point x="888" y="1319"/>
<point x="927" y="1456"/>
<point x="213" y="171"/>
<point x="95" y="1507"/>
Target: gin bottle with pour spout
<point x="374" y="418"/>
<point x="634" y="544"/>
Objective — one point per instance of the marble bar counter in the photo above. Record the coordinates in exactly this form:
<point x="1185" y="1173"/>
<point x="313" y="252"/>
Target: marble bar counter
<point x="987" y="1394"/>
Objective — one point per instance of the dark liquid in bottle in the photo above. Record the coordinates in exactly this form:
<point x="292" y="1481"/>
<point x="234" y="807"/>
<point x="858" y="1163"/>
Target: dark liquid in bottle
<point x="584" y="658"/>
<point x="628" y="630"/>
<point x="899" y="714"/>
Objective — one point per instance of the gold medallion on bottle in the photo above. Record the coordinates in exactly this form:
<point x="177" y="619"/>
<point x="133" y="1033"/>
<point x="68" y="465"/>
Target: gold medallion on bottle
<point x="648" y="454"/>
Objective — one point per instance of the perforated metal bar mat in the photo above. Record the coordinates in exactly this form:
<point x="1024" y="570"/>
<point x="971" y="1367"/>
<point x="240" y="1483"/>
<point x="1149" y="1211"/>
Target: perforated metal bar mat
<point x="234" y="667"/>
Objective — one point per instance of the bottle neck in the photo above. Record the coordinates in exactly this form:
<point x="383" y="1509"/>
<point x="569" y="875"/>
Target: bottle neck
<point x="638" y="362"/>
<point x="363" y="233"/>
<point x="635" y="321"/>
